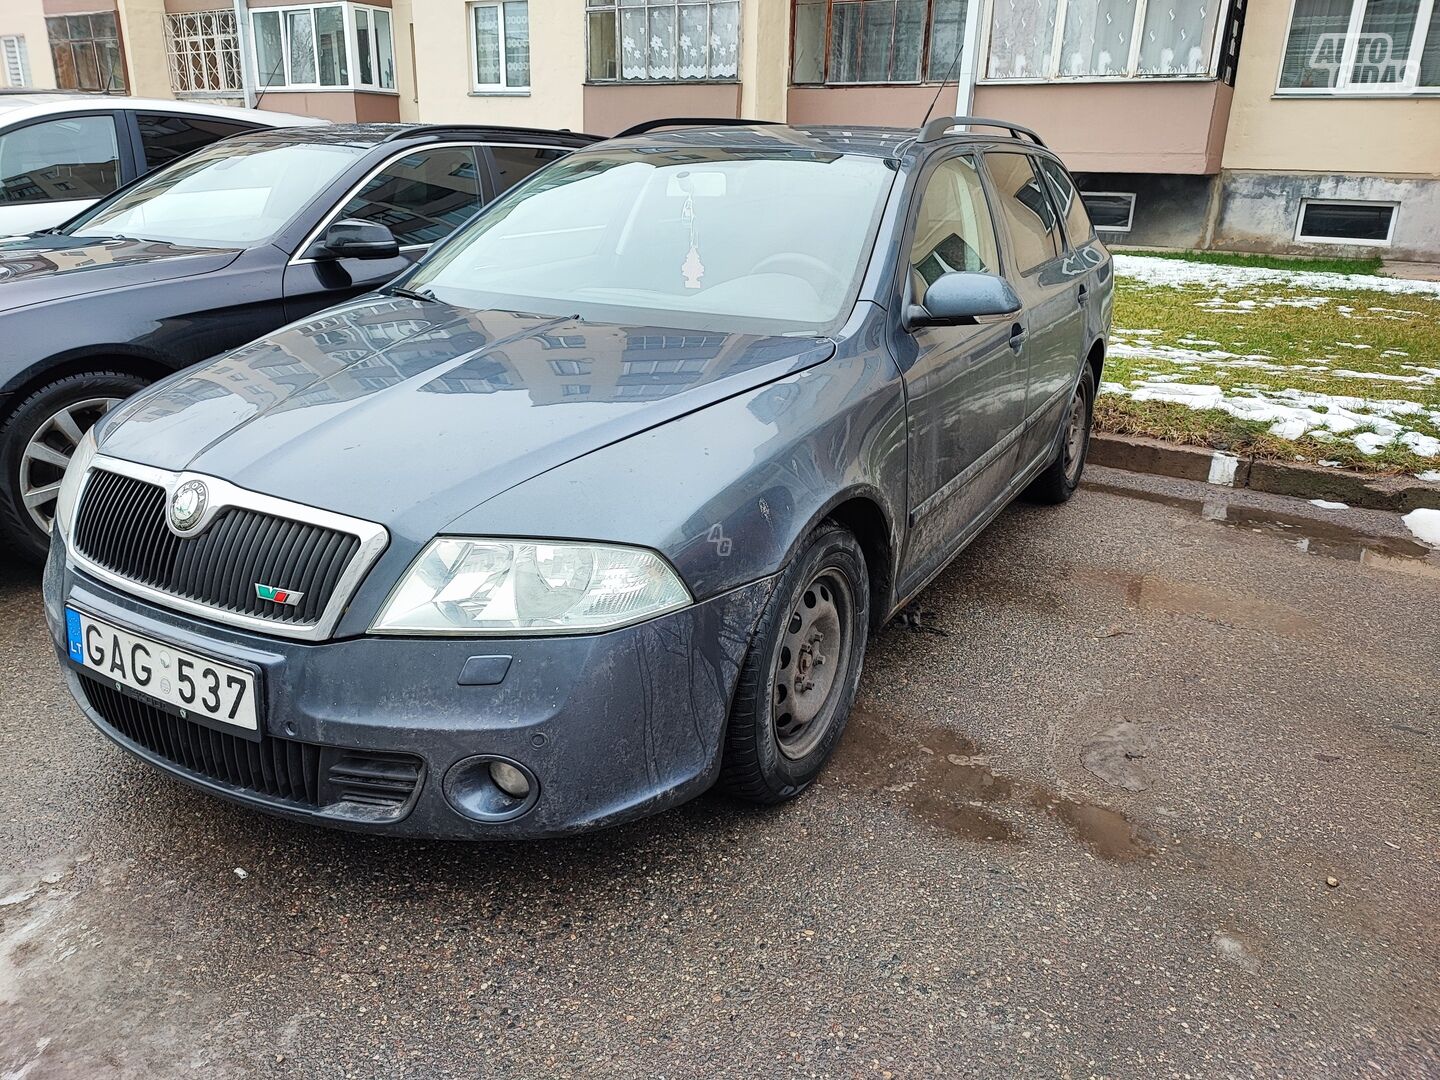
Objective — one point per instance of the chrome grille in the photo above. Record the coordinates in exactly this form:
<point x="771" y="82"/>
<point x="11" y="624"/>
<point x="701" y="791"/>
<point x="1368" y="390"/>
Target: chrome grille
<point x="121" y="533"/>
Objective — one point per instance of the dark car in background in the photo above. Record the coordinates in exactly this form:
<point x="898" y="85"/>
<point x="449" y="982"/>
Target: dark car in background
<point x="598" y="504"/>
<point x="219" y="248"/>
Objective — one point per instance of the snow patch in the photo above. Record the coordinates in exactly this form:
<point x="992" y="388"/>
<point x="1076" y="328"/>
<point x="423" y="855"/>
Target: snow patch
<point x="1326" y="504"/>
<point x="1178" y="273"/>
<point x="1425" y="524"/>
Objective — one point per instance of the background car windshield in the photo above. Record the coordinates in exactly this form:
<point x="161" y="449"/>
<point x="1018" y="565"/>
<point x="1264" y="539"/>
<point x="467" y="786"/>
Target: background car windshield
<point x="774" y="241"/>
<point x="223" y="196"/>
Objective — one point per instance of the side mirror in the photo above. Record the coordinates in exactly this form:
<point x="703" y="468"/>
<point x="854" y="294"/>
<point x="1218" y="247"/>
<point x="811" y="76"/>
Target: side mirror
<point x="959" y="298"/>
<point x="356" y="239"/>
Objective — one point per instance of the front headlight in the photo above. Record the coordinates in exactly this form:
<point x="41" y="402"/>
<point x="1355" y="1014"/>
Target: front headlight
<point x="71" y="482"/>
<point x="463" y="585"/>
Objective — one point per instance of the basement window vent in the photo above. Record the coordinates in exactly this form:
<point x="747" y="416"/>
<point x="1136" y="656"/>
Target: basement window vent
<point x="1110" y="211"/>
<point x="1326" y="221"/>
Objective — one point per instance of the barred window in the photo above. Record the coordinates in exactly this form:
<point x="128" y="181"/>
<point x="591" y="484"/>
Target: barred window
<point x="204" y="53"/>
<point x="662" y="40"/>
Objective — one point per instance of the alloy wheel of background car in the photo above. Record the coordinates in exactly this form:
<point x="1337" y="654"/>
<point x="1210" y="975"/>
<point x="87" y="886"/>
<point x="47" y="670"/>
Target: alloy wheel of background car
<point x="36" y="444"/>
<point x="798" y="679"/>
<point x="43" y="461"/>
<point x="1062" y="476"/>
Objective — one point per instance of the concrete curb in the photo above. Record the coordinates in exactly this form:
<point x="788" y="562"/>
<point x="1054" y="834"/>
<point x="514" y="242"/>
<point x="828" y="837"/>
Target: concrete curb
<point x="1397" y="493"/>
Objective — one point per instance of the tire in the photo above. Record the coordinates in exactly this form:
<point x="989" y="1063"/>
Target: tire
<point x="1062" y="476"/>
<point x="36" y="439"/>
<point x="772" y="752"/>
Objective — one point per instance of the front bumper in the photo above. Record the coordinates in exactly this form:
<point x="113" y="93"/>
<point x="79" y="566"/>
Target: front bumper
<point x="612" y="726"/>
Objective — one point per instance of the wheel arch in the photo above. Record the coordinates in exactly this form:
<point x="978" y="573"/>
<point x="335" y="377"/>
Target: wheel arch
<point x="1096" y="359"/>
<point x="125" y="359"/>
<point x="862" y="512"/>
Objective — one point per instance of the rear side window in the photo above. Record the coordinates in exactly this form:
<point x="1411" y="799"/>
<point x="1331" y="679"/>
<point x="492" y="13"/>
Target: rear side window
<point x="515" y="163"/>
<point x="1067" y="198"/>
<point x="1028" y="214"/>
<point x="166" y="137"/>
<point x="423" y="196"/>
<point x="72" y="157"/>
<point x="953" y="230"/>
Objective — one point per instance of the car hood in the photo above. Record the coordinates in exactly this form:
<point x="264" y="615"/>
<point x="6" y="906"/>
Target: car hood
<point x="411" y="413"/>
<point x="50" y="267"/>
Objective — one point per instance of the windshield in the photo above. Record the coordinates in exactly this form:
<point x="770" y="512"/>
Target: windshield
<point x="234" y="195"/>
<point x="773" y="241"/>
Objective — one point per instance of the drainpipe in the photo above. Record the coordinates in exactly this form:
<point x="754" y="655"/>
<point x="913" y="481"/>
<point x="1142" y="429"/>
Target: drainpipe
<point x="969" y="59"/>
<point x="242" y="42"/>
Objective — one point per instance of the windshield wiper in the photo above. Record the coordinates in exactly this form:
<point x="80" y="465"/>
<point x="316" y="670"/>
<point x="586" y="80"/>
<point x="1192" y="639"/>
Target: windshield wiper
<point x="424" y="295"/>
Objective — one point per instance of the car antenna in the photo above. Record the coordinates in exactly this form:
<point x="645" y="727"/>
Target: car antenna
<point x="959" y="47"/>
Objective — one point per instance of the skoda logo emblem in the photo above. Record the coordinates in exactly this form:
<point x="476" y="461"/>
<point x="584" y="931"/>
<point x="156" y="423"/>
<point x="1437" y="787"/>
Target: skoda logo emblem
<point x="187" y="505"/>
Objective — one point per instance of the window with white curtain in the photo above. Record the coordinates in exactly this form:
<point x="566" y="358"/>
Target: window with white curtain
<point x="662" y="40"/>
<point x="1362" y="47"/>
<point x="500" y="40"/>
<point x="1036" y="40"/>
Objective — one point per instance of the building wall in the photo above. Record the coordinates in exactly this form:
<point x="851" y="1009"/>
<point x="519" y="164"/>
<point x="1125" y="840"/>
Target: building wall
<point x="27" y="18"/>
<point x="1170" y="127"/>
<point x="443" y="78"/>
<point x="142" y="40"/>
<point x="764" y="59"/>
<point x="1389" y="136"/>
<point x="1259" y="211"/>
<point x="610" y="107"/>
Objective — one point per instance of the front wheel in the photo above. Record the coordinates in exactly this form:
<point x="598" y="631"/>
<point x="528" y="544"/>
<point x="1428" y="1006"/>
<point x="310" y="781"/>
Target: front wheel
<point x="799" y="678"/>
<point x="36" y="443"/>
<point x="1060" y="479"/>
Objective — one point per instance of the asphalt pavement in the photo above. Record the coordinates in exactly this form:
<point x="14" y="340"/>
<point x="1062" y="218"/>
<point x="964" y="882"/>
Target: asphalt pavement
<point x="1149" y="789"/>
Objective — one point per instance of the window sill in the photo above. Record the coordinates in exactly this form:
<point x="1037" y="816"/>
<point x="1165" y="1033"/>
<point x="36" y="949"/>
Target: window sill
<point x="261" y="91"/>
<point x="662" y="82"/>
<point x="1342" y="95"/>
<point x="1100" y="80"/>
<point x="502" y="91"/>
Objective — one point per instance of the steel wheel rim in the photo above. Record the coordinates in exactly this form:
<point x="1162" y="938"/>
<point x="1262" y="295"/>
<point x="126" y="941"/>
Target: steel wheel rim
<point x="810" y="662"/>
<point x="1075" y="433"/>
<point x="43" y="461"/>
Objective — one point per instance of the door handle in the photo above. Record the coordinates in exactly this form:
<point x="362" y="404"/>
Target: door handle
<point x="1081" y="294"/>
<point x="1017" y="336"/>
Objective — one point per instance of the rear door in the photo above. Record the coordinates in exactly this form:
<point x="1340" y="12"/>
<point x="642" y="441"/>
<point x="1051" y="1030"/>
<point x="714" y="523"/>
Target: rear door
<point x="512" y="163"/>
<point x="1051" y="293"/>
<point x="51" y="169"/>
<point x="965" y="385"/>
<point x="163" y="137"/>
<point x="422" y="196"/>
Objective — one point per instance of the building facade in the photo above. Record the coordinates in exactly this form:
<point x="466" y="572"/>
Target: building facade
<point x="1310" y="126"/>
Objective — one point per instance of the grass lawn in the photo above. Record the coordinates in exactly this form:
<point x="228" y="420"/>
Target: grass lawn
<point x="1285" y="366"/>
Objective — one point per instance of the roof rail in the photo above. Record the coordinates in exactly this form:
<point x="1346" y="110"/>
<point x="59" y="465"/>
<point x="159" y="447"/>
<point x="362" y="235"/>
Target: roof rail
<point x="406" y="131"/>
<point x="936" y="129"/>
<point x="691" y="121"/>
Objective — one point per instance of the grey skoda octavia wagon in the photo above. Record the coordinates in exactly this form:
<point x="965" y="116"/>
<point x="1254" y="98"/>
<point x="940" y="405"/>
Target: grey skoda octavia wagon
<point x="595" y="506"/>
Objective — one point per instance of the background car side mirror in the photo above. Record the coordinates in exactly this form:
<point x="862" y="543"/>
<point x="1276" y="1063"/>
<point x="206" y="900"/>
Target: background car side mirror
<point x="959" y="298"/>
<point x="356" y="239"/>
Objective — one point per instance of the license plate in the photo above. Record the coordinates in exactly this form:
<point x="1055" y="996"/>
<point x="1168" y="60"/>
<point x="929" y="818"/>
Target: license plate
<point x="198" y="687"/>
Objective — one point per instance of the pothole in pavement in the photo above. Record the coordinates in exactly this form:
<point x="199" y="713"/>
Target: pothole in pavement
<point x="942" y="779"/>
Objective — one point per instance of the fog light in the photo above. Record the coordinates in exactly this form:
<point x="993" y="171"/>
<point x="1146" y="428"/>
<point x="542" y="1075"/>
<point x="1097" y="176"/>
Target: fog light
<point x="509" y="779"/>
